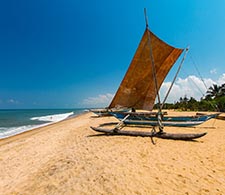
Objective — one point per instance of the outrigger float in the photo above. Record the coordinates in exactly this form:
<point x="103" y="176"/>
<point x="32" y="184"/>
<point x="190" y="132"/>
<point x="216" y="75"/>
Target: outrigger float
<point x="159" y="134"/>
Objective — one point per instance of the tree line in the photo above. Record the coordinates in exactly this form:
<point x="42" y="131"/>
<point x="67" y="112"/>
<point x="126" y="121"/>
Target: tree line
<point x="213" y="101"/>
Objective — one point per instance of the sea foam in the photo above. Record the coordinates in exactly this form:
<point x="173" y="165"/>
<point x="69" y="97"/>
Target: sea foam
<point x="53" y="118"/>
<point x="49" y="119"/>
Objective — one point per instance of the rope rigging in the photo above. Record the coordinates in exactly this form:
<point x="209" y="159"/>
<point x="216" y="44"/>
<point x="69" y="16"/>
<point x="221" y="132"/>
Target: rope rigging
<point x="201" y="78"/>
<point x="198" y="72"/>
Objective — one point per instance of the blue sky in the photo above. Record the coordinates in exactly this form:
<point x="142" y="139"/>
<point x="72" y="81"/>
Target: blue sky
<point x="66" y="54"/>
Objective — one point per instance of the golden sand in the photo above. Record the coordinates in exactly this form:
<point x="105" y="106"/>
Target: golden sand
<point x="67" y="158"/>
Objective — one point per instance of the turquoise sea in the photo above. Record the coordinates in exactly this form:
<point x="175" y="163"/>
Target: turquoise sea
<point x="13" y="122"/>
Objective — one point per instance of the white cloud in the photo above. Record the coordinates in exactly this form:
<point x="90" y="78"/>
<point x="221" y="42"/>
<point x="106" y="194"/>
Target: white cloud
<point x="191" y="86"/>
<point x="213" y="71"/>
<point x="12" y="101"/>
<point x="221" y="79"/>
<point x="99" y="101"/>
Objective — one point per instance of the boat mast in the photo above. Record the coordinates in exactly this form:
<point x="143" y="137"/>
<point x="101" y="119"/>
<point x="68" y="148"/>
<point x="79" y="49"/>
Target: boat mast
<point x="154" y="75"/>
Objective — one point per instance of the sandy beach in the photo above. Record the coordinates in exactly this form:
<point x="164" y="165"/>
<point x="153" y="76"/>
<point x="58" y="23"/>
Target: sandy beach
<point x="69" y="158"/>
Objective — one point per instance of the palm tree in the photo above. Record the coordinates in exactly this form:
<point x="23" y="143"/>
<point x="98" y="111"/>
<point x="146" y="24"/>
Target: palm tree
<point x="223" y="89"/>
<point x="214" y="91"/>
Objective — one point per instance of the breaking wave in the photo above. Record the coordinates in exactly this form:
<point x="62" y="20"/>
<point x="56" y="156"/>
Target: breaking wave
<point x="49" y="119"/>
<point x="53" y="118"/>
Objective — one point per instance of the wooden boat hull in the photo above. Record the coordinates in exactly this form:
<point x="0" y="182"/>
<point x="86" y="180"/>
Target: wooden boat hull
<point x="101" y="112"/>
<point x="163" y="135"/>
<point x="220" y="117"/>
<point x="150" y="119"/>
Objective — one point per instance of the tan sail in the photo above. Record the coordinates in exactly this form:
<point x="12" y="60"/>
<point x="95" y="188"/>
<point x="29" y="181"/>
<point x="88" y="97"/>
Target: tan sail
<point x="137" y="90"/>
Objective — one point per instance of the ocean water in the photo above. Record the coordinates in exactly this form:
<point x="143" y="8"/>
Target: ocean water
<point x="13" y="122"/>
